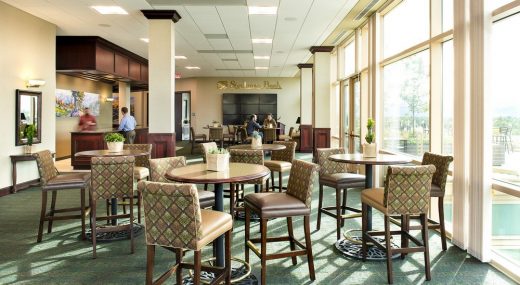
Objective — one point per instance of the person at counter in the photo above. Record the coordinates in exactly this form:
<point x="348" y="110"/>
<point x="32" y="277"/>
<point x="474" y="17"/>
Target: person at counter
<point x="87" y="122"/>
<point x="269" y="122"/>
<point x="252" y="125"/>
<point x="127" y="126"/>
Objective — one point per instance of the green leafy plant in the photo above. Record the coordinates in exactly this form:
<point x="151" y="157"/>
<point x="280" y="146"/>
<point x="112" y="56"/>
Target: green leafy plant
<point x="30" y="131"/>
<point x="217" y="151"/>
<point x="256" y="135"/>
<point x="114" y="137"/>
<point x="370" y="137"/>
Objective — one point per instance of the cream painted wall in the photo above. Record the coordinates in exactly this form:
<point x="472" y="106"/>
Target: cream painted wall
<point x="66" y="125"/>
<point x="206" y="99"/>
<point x="27" y="51"/>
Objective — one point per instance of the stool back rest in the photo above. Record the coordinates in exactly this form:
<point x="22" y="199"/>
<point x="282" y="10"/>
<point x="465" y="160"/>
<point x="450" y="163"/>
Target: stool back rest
<point x="171" y="213"/>
<point x="206" y="147"/>
<point x="328" y="166"/>
<point x="253" y="156"/>
<point x="269" y="134"/>
<point x="141" y="160"/>
<point x="242" y="132"/>
<point x="286" y="154"/>
<point x="291" y="130"/>
<point x="216" y="133"/>
<point x="160" y="166"/>
<point x="301" y="180"/>
<point x="46" y="166"/>
<point x="407" y="189"/>
<point x="112" y="177"/>
<point x="442" y="165"/>
<point x="231" y="129"/>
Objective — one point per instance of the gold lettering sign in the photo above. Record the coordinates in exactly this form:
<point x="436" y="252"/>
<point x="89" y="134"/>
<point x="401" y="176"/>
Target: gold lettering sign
<point x="232" y="84"/>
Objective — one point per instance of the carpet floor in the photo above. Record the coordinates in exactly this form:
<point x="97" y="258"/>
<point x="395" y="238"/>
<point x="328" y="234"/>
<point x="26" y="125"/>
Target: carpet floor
<point x="62" y="258"/>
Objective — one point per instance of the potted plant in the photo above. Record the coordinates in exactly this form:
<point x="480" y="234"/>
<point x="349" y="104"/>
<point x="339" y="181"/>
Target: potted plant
<point x="370" y="147"/>
<point x="30" y="131"/>
<point x="256" y="139"/>
<point x="216" y="124"/>
<point x="217" y="159"/>
<point x="114" y="142"/>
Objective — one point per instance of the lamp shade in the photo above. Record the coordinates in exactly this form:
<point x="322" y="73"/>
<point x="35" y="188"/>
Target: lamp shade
<point x="298" y="120"/>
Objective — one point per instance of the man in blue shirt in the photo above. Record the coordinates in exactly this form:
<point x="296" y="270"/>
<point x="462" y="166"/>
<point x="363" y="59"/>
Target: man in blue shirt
<point x="127" y="126"/>
<point x="252" y="125"/>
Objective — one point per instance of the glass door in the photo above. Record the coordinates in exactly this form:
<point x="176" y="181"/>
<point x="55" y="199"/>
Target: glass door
<point x="352" y="114"/>
<point x="346" y="114"/>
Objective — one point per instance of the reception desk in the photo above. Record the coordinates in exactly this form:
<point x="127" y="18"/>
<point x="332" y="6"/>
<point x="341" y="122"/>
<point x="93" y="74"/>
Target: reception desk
<point x="93" y="140"/>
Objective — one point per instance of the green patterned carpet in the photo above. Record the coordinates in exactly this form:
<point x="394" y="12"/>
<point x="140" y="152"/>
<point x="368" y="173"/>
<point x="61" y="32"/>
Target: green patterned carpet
<point x="61" y="258"/>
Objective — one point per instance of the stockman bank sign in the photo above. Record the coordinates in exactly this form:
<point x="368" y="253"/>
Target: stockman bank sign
<point x="232" y="84"/>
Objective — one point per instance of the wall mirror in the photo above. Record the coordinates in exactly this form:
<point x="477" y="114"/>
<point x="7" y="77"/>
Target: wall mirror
<point x="28" y="112"/>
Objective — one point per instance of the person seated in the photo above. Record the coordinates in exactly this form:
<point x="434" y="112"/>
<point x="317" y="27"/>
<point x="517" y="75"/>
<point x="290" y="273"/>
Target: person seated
<point x="252" y="125"/>
<point x="269" y="122"/>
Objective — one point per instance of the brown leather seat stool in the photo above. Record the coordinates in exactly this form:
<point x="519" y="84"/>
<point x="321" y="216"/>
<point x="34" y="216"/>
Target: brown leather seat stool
<point x="281" y="162"/>
<point x="53" y="182"/>
<point x="295" y="202"/>
<point x="175" y="222"/>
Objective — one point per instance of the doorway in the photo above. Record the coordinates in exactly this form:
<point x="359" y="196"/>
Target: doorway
<point x="182" y="115"/>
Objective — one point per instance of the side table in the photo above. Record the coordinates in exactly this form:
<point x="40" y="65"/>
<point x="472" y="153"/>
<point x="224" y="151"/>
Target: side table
<point x="14" y="159"/>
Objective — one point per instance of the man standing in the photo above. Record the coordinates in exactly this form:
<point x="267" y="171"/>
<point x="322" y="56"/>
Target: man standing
<point x="87" y="122"/>
<point x="127" y="126"/>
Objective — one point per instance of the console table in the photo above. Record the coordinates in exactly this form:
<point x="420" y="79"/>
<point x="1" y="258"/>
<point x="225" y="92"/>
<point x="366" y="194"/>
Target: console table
<point x="15" y="159"/>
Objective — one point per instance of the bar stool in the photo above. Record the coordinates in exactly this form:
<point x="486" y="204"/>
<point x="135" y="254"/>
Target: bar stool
<point x="196" y="137"/>
<point x="281" y="162"/>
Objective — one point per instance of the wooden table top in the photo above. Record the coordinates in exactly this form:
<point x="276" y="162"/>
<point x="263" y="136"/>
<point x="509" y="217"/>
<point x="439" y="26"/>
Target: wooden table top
<point x="106" y="152"/>
<point x="237" y="172"/>
<point x="381" y="159"/>
<point x="264" y="147"/>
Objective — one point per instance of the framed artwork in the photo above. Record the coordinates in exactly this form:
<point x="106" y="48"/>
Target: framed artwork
<point x="71" y="103"/>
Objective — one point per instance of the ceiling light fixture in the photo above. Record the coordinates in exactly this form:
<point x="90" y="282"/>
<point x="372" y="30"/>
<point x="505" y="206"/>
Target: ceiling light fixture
<point x="34" y="83"/>
<point x="262" y="57"/>
<point x="262" y="41"/>
<point x="180" y="57"/>
<point x="261" y="67"/>
<point x="146" y="40"/>
<point x="110" y="10"/>
<point x="192" y="67"/>
<point x="256" y="10"/>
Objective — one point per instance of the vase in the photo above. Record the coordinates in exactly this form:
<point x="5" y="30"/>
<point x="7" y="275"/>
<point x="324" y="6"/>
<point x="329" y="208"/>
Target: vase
<point x="217" y="162"/>
<point x="256" y="142"/>
<point x="27" y="149"/>
<point x="370" y="150"/>
<point x="115" y="146"/>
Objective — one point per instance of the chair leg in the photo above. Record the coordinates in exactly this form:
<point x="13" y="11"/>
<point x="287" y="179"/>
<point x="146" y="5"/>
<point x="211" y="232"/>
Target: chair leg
<point x="388" y="250"/>
<point x="178" y="260"/>
<point x="51" y="212"/>
<point x="263" y="249"/>
<point x="42" y="215"/>
<point x="93" y="227"/>
<point x="272" y="180"/>
<point x="404" y="228"/>
<point x="280" y="181"/>
<point x="206" y="186"/>
<point x="291" y="237"/>
<point x="344" y="205"/>
<point x="441" y="222"/>
<point x="124" y="206"/>
<point x="424" y="229"/>
<point x="320" y="205"/>
<point x="246" y="232"/>
<point x="196" y="267"/>
<point x="108" y="210"/>
<point x="338" y="213"/>
<point x="82" y="212"/>
<point x="228" y="257"/>
<point x="139" y="202"/>
<point x="232" y="193"/>
<point x="364" y="229"/>
<point x="308" y="245"/>
<point x="150" y="256"/>
<point x="131" y="229"/>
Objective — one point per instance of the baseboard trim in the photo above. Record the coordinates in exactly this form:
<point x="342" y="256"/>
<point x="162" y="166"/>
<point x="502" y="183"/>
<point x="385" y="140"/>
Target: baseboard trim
<point x="21" y="186"/>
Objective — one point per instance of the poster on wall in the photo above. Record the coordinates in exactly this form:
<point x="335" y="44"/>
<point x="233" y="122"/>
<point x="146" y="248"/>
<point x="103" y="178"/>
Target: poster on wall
<point x="71" y="103"/>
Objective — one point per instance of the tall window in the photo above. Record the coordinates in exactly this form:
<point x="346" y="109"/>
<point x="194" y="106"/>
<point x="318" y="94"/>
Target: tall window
<point x="406" y="104"/>
<point x="350" y="59"/>
<point x="447" y="97"/>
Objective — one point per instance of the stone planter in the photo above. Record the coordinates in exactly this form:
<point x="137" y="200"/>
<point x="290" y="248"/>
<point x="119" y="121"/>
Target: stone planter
<point x="370" y="150"/>
<point x="217" y="162"/>
<point x="115" y="146"/>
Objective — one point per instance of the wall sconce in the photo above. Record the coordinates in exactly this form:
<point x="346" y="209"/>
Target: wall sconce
<point x="34" y="83"/>
<point x="109" y="99"/>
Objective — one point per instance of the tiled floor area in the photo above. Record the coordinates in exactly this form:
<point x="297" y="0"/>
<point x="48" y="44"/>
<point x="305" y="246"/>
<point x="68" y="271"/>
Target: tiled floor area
<point x="61" y="258"/>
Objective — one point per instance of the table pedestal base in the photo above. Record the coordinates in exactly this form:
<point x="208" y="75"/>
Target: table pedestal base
<point x="115" y="236"/>
<point x="240" y="274"/>
<point x="352" y="248"/>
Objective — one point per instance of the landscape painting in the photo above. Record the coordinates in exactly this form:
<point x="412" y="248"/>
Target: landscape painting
<point x="71" y="103"/>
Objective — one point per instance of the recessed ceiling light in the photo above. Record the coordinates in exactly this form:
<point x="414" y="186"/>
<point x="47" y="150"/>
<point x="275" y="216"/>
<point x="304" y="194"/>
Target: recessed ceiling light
<point x="192" y="67"/>
<point x="262" y="57"/>
<point x="261" y="67"/>
<point x="256" y="10"/>
<point x="110" y="10"/>
<point x="180" y="57"/>
<point x="146" y="40"/>
<point x="262" y="41"/>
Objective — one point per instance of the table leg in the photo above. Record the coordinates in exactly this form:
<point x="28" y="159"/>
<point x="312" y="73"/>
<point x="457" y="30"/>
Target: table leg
<point x="257" y="188"/>
<point x="13" y="174"/>
<point x="219" y="206"/>
<point x="368" y="184"/>
<point x="113" y="209"/>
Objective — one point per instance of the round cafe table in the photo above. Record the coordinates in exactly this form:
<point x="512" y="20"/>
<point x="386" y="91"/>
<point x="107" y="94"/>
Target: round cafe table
<point x="237" y="172"/>
<point x="264" y="147"/>
<point x="353" y="249"/>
